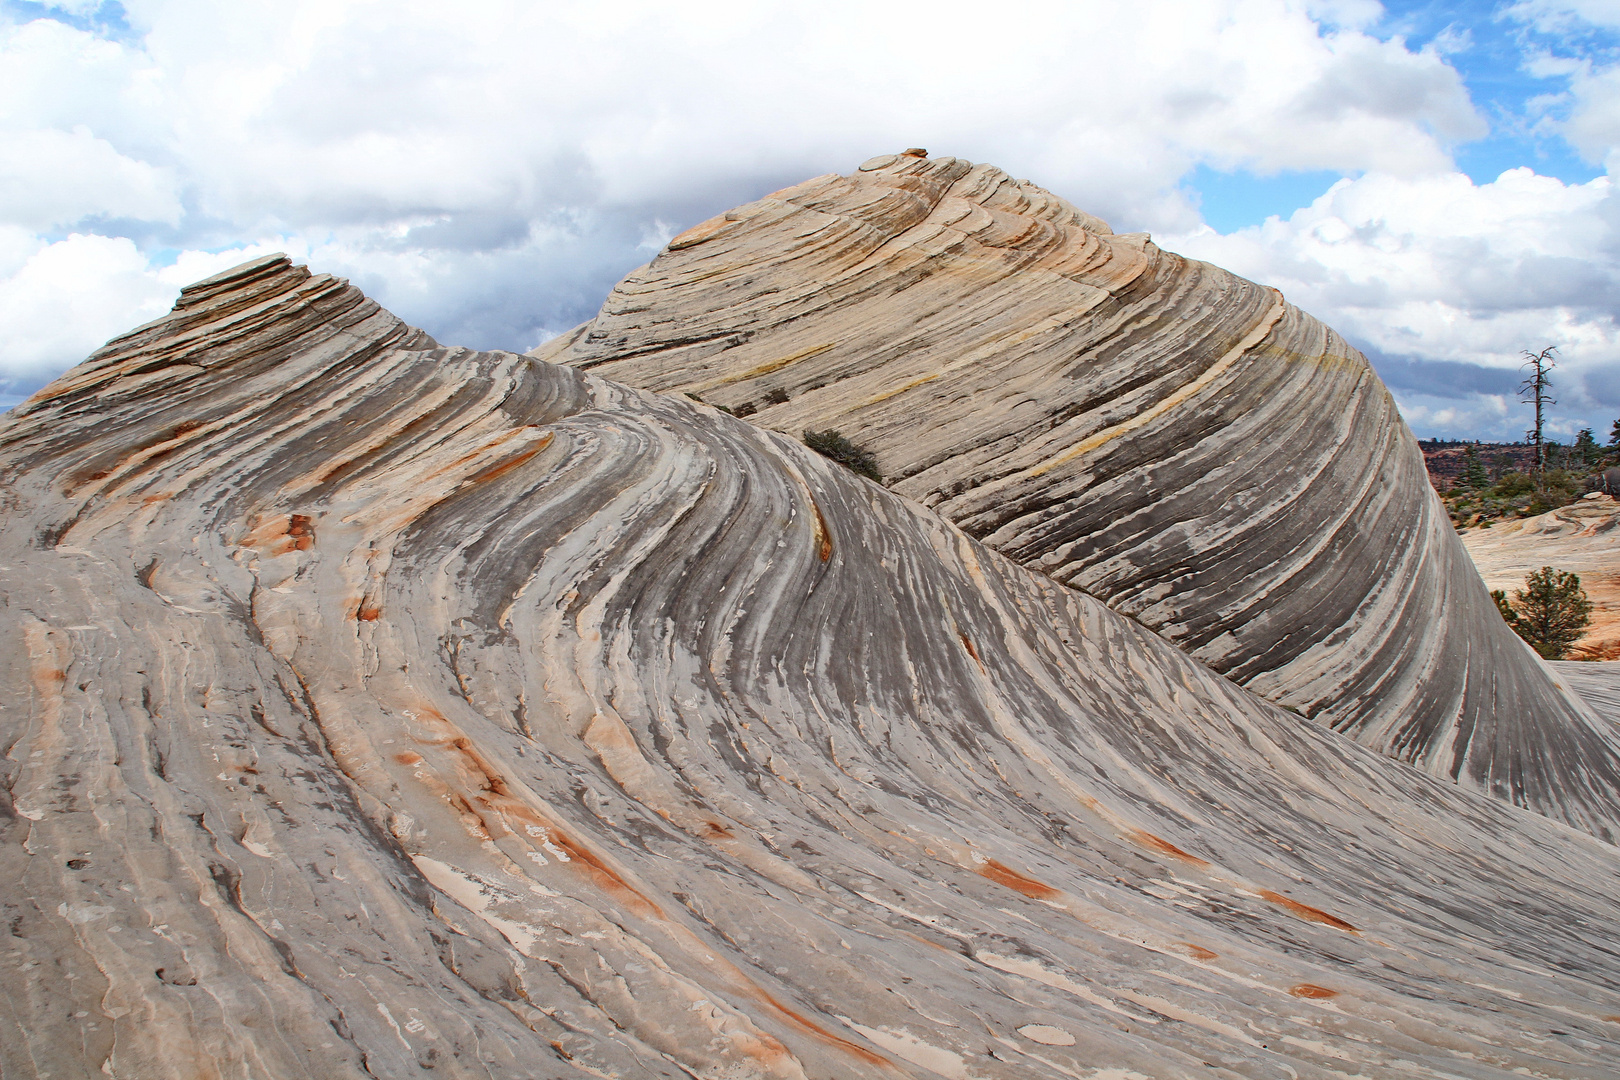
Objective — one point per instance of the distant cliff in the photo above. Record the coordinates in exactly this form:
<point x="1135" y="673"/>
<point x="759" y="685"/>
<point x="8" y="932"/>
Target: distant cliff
<point x="1179" y="442"/>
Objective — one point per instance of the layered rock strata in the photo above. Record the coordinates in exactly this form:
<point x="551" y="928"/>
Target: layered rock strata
<point x="1168" y="437"/>
<point x="377" y="708"/>
<point x="1595" y="682"/>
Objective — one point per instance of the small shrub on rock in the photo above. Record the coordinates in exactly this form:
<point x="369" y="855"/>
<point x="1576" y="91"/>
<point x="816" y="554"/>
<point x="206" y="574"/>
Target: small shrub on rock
<point x="832" y="444"/>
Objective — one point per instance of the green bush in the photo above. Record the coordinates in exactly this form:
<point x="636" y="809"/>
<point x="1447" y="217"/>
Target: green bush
<point x="1512" y="484"/>
<point x="832" y="444"/>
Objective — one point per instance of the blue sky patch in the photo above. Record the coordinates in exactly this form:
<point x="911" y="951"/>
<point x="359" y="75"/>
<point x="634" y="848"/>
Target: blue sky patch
<point x="1234" y="200"/>
<point x="1497" y="56"/>
<point x="109" y="20"/>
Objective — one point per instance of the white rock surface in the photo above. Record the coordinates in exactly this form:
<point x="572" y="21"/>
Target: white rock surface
<point x="375" y="708"/>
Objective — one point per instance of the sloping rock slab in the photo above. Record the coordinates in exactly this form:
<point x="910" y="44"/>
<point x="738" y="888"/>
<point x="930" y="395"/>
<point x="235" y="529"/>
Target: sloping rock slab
<point x="1596" y="682"/>
<point x="1175" y="440"/>
<point x="374" y="708"/>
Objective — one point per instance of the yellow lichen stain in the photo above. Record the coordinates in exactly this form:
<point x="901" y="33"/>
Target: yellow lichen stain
<point x="1253" y="338"/>
<point x="771" y="365"/>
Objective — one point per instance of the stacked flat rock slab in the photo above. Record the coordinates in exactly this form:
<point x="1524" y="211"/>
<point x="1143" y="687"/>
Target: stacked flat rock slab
<point x="374" y="708"/>
<point x="1174" y="440"/>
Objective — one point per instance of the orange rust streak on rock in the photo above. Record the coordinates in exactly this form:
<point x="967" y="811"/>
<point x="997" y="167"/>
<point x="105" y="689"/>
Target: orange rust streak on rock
<point x="1002" y="874"/>
<point x="498" y="801"/>
<point x="1311" y="990"/>
<point x="1198" y="952"/>
<point x="610" y="882"/>
<point x="368" y="614"/>
<point x="605" y="878"/>
<point x="496" y="471"/>
<point x="493" y="782"/>
<point x="919" y="939"/>
<point x="1305" y="911"/>
<point x="973" y="652"/>
<point x="820" y="1032"/>
<point x="1165" y="847"/>
<point x="301" y="528"/>
<point x="822" y="533"/>
<point x="296" y="531"/>
<point x="471" y="818"/>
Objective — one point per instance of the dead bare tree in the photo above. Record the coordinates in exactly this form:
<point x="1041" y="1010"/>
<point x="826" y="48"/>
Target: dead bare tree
<point x="1534" y="389"/>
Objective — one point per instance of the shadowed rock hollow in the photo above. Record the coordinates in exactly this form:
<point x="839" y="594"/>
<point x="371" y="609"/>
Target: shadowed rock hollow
<point x="1179" y="442"/>
<point x="377" y="708"/>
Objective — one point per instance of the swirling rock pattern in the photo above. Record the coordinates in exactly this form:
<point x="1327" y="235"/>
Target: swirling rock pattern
<point x="1175" y="440"/>
<point x="375" y="708"/>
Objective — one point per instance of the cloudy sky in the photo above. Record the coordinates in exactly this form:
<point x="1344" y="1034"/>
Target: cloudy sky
<point x="1431" y="179"/>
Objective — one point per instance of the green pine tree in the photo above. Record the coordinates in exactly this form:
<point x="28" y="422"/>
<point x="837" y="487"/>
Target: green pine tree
<point x="1474" y="474"/>
<point x="1587" y="451"/>
<point x="1509" y="616"/>
<point x="1551" y="612"/>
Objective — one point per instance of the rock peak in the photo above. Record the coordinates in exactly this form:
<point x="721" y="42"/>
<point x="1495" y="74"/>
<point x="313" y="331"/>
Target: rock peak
<point x="1181" y="443"/>
<point x="380" y="708"/>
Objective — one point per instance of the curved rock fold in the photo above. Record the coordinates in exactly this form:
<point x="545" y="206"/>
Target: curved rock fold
<point x="378" y="708"/>
<point x="1164" y="435"/>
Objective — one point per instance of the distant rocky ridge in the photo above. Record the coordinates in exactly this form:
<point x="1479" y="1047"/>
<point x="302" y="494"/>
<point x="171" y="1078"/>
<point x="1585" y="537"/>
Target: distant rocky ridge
<point x="376" y="708"/>
<point x="1164" y="435"/>
<point x="1447" y="461"/>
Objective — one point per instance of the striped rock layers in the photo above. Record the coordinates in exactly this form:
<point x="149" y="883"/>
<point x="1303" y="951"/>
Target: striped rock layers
<point x="1166" y="436"/>
<point x="374" y="708"/>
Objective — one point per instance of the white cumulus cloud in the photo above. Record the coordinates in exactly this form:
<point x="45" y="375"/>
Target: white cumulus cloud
<point x="1439" y="268"/>
<point x="66" y="298"/>
<point x="489" y="169"/>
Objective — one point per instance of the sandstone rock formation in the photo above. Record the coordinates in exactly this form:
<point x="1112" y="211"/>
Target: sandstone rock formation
<point x="1179" y="442"/>
<point x="1582" y="538"/>
<point x="374" y="708"/>
<point x="1596" y="682"/>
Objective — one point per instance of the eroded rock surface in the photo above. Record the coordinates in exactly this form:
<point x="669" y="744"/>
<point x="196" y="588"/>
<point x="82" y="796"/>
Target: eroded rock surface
<point x="1175" y="440"/>
<point x="376" y="708"/>
<point x="1596" y="682"/>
